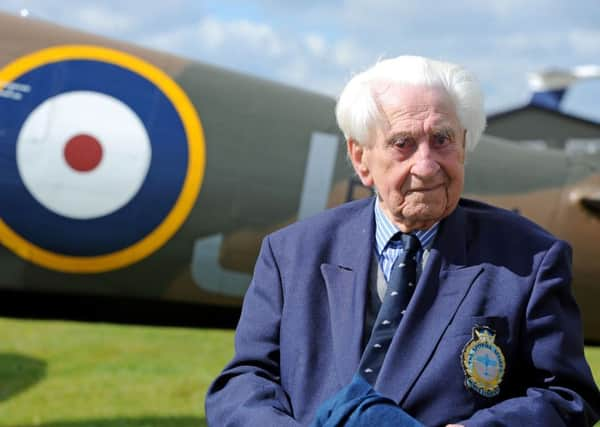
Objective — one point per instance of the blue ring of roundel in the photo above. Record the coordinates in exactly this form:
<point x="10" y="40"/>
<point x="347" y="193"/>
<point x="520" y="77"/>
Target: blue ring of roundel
<point x="145" y="211"/>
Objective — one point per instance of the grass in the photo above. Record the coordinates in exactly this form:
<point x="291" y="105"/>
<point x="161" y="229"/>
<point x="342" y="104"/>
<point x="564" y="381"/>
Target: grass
<point x="68" y="374"/>
<point x="592" y="354"/>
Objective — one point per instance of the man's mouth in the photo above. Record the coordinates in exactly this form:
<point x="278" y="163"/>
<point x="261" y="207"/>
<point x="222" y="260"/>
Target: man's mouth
<point x="425" y="189"/>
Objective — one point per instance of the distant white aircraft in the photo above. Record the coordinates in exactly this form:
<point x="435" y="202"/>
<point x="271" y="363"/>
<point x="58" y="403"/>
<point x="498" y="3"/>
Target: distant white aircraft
<point x="549" y="86"/>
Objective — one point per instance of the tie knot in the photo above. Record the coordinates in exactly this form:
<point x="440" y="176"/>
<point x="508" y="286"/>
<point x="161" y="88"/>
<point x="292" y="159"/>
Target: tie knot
<point x="410" y="241"/>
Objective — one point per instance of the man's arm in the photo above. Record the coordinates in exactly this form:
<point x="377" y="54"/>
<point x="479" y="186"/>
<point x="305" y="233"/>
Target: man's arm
<point x="248" y="391"/>
<point x="559" y="388"/>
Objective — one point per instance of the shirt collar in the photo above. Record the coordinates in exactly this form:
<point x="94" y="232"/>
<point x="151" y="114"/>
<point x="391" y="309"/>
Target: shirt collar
<point x="385" y="230"/>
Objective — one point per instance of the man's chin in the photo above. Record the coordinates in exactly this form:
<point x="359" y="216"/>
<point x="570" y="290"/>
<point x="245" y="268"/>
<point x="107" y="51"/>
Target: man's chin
<point x="422" y="224"/>
<point x="421" y="219"/>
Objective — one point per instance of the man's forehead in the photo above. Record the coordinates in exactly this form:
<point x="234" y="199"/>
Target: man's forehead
<point x="405" y="107"/>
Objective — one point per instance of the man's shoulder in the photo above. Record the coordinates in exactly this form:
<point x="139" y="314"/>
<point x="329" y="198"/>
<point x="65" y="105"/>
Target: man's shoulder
<point x="496" y="220"/>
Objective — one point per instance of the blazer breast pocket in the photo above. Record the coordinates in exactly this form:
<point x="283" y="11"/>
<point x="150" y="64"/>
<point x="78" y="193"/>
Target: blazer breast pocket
<point x="465" y="326"/>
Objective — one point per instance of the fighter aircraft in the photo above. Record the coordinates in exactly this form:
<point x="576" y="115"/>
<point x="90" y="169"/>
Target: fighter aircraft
<point x="130" y="173"/>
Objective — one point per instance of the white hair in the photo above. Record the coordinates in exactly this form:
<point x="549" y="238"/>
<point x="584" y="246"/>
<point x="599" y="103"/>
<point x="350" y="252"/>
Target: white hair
<point x="357" y="109"/>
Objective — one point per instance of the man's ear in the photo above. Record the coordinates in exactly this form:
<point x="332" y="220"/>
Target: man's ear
<point x="358" y="155"/>
<point x="464" y="147"/>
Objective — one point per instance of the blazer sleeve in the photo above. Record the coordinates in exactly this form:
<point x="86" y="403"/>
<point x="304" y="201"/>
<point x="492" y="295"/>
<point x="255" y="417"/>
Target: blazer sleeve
<point x="558" y="389"/>
<point x="248" y="391"/>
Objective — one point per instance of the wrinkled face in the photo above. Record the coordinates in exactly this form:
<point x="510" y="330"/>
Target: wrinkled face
<point x="415" y="158"/>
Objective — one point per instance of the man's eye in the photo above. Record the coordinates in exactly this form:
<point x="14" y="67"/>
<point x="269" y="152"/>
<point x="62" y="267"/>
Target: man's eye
<point x="401" y="142"/>
<point x="441" y="139"/>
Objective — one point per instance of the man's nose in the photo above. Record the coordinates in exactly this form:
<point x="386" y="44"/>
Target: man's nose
<point x="425" y="163"/>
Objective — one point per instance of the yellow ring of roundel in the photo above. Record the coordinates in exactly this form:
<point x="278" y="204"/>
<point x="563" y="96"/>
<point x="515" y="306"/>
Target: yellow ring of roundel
<point x="191" y="186"/>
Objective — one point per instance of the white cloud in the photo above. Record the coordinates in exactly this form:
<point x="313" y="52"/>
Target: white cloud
<point x="257" y="35"/>
<point x="239" y="44"/>
<point x="212" y="33"/>
<point x="315" y="44"/>
<point x="243" y="34"/>
<point x="101" y="20"/>
<point x="349" y="55"/>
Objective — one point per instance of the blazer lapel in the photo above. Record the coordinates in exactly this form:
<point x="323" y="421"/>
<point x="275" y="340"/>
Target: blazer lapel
<point x="442" y="287"/>
<point x="346" y="280"/>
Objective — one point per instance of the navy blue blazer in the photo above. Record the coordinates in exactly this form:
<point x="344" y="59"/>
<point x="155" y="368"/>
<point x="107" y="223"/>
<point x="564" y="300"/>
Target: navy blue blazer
<point x="299" y="338"/>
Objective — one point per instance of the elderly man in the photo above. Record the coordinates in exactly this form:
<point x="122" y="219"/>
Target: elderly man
<point x="442" y="310"/>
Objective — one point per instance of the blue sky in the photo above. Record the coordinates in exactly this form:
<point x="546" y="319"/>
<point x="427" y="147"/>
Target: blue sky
<point x="317" y="45"/>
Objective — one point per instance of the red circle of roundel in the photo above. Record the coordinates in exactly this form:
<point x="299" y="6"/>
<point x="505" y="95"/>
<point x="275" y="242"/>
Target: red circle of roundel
<point x="83" y="152"/>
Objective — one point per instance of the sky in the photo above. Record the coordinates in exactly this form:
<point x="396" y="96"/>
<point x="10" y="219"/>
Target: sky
<point x="319" y="45"/>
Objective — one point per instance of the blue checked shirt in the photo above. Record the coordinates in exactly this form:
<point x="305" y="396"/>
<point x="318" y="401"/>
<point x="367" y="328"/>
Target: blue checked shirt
<point x="387" y="251"/>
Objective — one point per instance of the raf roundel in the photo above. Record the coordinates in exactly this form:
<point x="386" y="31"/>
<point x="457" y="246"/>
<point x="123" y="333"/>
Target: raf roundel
<point x="96" y="140"/>
<point x="83" y="137"/>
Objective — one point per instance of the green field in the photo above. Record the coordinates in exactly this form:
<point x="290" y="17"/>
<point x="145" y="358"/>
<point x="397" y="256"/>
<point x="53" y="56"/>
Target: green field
<point x="69" y="374"/>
